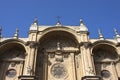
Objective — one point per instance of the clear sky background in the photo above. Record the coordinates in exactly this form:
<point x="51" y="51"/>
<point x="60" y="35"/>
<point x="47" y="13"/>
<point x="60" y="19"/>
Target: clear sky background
<point x="103" y="14"/>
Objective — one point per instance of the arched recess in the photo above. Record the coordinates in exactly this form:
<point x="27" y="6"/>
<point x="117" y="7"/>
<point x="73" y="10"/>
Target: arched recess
<point x="53" y="47"/>
<point x="105" y="56"/>
<point x="12" y="55"/>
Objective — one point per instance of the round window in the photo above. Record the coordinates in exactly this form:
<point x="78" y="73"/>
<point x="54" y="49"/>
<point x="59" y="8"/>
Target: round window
<point x="58" y="70"/>
<point x="11" y="73"/>
<point x="105" y="73"/>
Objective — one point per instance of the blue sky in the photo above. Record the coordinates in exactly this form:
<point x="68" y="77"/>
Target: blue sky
<point x="103" y="14"/>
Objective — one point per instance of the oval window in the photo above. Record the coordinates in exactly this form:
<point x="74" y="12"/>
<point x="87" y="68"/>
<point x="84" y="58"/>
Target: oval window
<point x="11" y="73"/>
<point x="105" y="73"/>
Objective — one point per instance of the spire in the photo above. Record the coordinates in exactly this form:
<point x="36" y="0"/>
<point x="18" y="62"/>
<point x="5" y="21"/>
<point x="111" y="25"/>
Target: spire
<point x="100" y="34"/>
<point x="0" y="32"/>
<point x="82" y="26"/>
<point x="116" y="33"/>
<point x="58" y="22"/>
<point x="16" y="35"/>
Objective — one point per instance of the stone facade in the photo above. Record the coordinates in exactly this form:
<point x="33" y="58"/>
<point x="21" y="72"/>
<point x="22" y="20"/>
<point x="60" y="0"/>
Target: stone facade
<point x="59" y="53"/>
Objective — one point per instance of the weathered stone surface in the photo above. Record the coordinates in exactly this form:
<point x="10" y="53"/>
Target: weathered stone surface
<point x="59" y="53"/>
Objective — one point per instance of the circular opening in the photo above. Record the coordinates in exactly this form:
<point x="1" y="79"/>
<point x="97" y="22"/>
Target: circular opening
<point x="105" y="73"/>
<point x="11" y="73"/>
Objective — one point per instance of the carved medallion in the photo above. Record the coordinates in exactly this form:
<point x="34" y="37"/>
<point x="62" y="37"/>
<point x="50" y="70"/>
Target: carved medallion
<point x="58" y="70"/>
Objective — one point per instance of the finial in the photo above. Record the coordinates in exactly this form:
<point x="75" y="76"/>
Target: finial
<point x="34" y="25"/>
<point x="16" y="34"/>
<point x="116" y="32"/>
<point x="0" y="32"/>
<point x="100" y="34"/>
<point x="58" y="22"/>
<point x="81" y="22"/>
<point x="117" y="36"/>
<point x="35" y="21"/>
<point x="83" y="26"/>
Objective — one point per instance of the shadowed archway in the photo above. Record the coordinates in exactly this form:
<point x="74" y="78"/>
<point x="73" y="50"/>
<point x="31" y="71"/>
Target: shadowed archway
<point x="50" y="41"/>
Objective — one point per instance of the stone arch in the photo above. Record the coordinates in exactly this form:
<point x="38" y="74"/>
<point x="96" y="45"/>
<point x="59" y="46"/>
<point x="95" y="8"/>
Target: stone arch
<point x="48" y="46"/>
<point x="106" y="50"/>
<point x="103" y="42"/>
<point x="19" y="41"/>
<point x="64" y="29"/>
<point x="12" y="55"/>
<point x="105" y="55"/>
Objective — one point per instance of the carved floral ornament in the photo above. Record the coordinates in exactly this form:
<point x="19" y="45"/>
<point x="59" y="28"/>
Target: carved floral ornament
<point x="18" y="55"/>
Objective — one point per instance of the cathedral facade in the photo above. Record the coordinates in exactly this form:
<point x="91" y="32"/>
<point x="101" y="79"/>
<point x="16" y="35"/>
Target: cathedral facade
<point x="59" y="53"/>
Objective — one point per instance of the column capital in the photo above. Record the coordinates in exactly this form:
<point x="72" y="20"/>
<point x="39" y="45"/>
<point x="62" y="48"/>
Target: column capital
<point x="85" y="44"/>
<point x="32" y="44"/>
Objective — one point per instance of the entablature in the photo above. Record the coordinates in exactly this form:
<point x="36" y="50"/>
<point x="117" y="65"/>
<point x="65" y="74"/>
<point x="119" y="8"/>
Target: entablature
<point x="71" y="50"/>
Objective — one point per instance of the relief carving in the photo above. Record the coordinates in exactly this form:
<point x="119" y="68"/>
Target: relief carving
<point x="103" y="55"/>
<point x="58" y="70"/>
<point x="13" y="64"/>
<point x="32" y="44"/>
<point x="51" y="55"/>
<point x="13" y="54"/>
<point x="91" y="71"/>
<point x="29" y="70"/>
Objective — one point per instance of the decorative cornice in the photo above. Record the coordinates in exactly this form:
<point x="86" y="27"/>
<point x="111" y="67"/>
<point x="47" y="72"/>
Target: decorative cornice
<point x="63" y="50"/>
<point x="26" y="77"/>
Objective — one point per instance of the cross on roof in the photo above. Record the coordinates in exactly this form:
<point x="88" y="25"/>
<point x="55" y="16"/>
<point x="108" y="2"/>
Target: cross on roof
<point x="58" y="18"/>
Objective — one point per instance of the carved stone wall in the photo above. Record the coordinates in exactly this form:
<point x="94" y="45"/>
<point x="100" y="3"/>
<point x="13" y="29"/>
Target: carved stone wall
<point x="12" y="62"/>
<point x="105" y="58"/>
<point x="59" y="53"/>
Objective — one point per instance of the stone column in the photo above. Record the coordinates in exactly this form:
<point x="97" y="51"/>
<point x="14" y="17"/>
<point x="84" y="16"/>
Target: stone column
<point x="90" y="63"/>
<point x="26" y="63"/>
<point x="89" y="73"/>
<point x="30" y="68"/>
<point x="45" y="67"/>
<point x="78" y="66"/>
<point x="73" y="65"/>
<point x="2" y="70"/>
<point x="21" y="67"/>
<point x="28" y="73"/>
<point x="114" y="71"/>
<point x="35" y="59"/>
<point x="84" y="60"/>
<point x="88" y="58"/>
